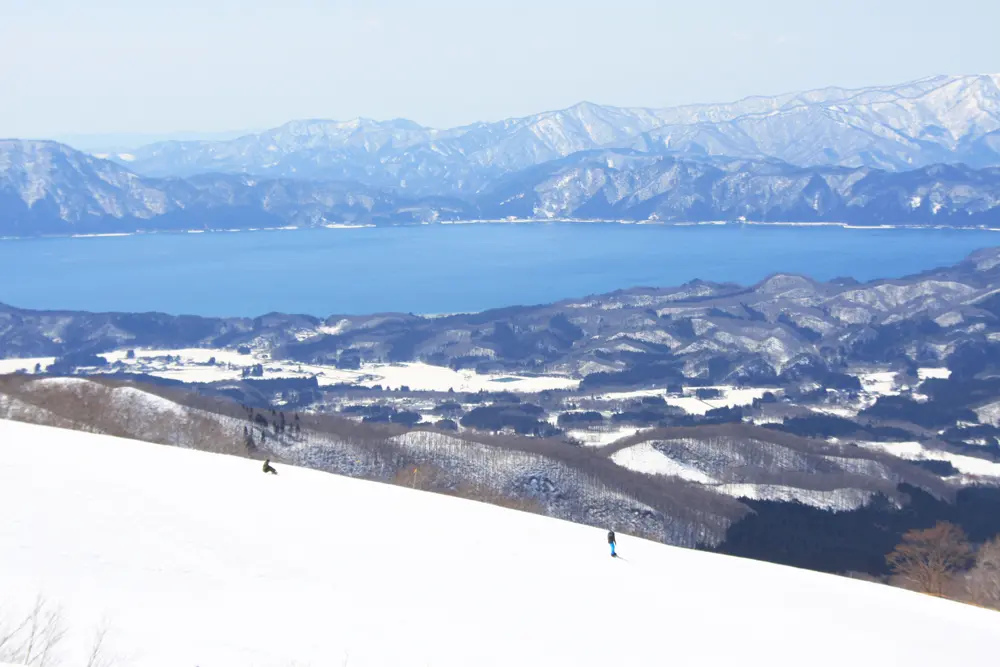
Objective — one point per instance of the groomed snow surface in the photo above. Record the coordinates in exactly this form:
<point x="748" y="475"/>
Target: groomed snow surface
<point x="194" y="559"/>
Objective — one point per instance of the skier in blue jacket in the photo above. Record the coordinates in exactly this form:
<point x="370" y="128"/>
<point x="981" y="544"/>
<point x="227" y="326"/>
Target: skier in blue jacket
<point x="611" y="541"/>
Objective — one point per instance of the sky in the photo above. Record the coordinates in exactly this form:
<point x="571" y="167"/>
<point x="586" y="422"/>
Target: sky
<point x="160" y="67"/>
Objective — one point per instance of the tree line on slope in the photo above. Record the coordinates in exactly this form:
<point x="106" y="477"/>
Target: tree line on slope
<point x="942" y="561"/>
<point x="879" y="541"/>
<point x="663" y="509"/>
<point x="779" y="532"/>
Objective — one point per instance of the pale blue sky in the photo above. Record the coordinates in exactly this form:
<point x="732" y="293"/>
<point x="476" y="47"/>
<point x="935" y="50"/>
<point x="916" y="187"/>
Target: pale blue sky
<point x="153" y="66"/>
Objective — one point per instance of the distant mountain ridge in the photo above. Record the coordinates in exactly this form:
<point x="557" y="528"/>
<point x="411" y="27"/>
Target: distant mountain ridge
<point x="49" y="188"/>
<point x="625" y="185"/>
<point x="921" y="153"/>
<point x="943" y="119"/>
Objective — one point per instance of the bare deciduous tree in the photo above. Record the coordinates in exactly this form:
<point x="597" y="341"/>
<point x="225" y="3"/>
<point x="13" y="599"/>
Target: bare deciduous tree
<point x="984" y="579"/>
<point x="8" y="638"/>
<point x="928" y="558"/>
<point x="33" y="641"/>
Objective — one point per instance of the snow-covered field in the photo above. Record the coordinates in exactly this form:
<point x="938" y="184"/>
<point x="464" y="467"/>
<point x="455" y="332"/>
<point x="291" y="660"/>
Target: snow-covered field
<point x="193" y="365"/>
<point x="603" y="436"/>
<point x="879" y="384"/>
<point x="8" y="366"/>
<point x="425" y="377"/>
<point x="933" y="373"/>
<point x="193" y="559"/>
<point x="989" y="413"/>
<point x="689" y="402"/>
<point x="835" y="500"/>
<point x="647" y="459"/>
<point x="914" y="451"/>
<point x="731" y="397"/>
<point x="885" y="383"/>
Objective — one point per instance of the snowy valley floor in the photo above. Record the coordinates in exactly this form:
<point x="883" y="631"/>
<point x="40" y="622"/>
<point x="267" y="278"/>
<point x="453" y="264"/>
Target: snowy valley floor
<point x="195" y="559"/>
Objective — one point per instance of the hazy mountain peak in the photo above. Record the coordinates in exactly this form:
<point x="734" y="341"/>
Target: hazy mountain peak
<point x="898" y="127"/>
<point x="826" y="154"/>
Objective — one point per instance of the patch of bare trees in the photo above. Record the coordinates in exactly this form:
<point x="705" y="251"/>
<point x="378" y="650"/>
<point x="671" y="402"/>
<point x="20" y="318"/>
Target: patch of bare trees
<point x="34" y="639"/>
<point x="941" y="561"/>
<point x="428" y="477"/>
<point x="983" y="582"/>
<point x="569" y="482"/>
<point x="127" y="410"/>
<point x="928" y="559"/>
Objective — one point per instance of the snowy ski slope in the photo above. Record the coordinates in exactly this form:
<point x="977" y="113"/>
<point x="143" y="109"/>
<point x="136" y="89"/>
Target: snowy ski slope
<point x="200" y="560"/>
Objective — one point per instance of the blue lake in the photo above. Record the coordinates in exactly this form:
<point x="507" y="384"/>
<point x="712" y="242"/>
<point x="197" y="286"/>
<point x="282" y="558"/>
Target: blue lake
<point x="440" y="268"/>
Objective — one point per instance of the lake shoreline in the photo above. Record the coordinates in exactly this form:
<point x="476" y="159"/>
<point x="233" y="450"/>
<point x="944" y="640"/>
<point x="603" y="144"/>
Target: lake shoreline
<point x="519" y="222"/>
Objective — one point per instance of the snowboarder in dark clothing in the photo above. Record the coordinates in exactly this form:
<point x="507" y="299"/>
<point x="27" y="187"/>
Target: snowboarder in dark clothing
<point x="611" y="541"/>
<point x="268" y="469"/>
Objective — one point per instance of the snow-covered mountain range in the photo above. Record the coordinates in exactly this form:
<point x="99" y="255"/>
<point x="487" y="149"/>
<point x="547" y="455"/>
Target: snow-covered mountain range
<point x="921" y="153"/>
<point x="626" y="185"/>
<point x="939" y="119"/>
<point x="49" y="188"/>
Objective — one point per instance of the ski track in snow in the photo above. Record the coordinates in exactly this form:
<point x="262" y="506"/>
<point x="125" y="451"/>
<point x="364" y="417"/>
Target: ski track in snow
<point x="200" y="559"/>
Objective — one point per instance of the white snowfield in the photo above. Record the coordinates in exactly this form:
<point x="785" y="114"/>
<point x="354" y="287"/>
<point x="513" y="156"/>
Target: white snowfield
<point x="600" y="437"/>
<point x="690" y="403"/>
<point x="199" y="559"/>
<point x="971" y="466"/>
<point x="191" y="365"/>
<point x="645" y="458"/>
<point x="23" y="366"/>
